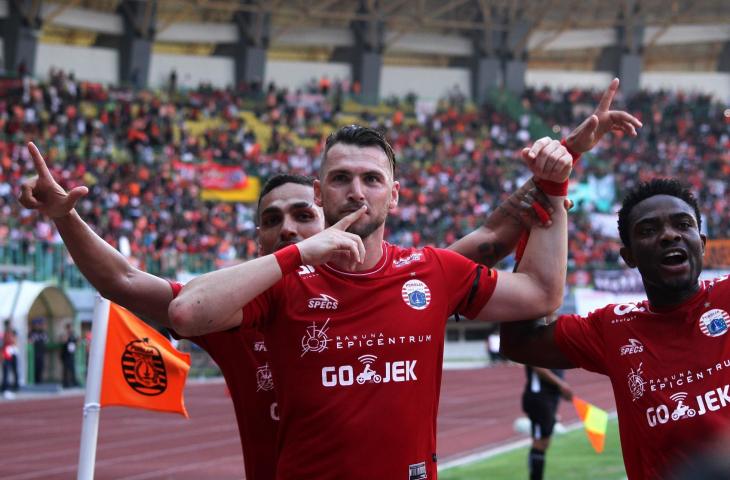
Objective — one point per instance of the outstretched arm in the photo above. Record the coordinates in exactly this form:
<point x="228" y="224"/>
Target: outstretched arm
<point x="533" y="343"/>
<point x="505" y="225"/>
<point x="103" y="266"/>
<point x="212" y="302"/>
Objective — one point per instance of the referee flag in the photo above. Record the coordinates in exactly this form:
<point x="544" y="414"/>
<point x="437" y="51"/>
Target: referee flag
<point x="595" y="421"/>
<point x="141" y="367"/>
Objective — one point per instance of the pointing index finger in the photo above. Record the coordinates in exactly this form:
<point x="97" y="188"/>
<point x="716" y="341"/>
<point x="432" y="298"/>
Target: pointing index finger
<point x="38" y="162"/>
<point x="349" y="219"/>
<point x="608" y="95"/>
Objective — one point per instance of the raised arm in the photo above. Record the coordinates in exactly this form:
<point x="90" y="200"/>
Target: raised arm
<point x="103" y="266"/>
<point x="212" y="302"/>
<point x="505" y="225"/>
<point x="536" y="289"/>
<point x="531" y="341"/>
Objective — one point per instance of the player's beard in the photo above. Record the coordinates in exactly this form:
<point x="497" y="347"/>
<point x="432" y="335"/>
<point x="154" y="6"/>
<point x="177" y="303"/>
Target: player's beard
<point x="361" y="228"/>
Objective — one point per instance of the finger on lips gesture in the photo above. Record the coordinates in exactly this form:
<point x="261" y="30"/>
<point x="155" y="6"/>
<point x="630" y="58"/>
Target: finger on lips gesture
<point x="335" y="243"/>
<point x="548" y="160"/>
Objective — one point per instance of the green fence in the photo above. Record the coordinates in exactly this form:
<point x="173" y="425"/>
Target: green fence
<point x="44" y="261"/>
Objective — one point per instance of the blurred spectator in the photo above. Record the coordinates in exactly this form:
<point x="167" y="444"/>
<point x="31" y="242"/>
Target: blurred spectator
<point x="68" y="357"/>
<point x="39" y="339"/>
<point x="10" y="358"/>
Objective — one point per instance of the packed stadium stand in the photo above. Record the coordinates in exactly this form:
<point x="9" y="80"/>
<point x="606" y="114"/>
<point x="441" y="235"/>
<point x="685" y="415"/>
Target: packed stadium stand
<point x="175" y="139"/>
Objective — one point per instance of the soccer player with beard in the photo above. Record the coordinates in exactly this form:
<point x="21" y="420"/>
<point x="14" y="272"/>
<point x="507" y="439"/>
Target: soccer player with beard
<point x="668" y="357"/>
<point x="354" y="326"/>
<point x="286" y="214"/>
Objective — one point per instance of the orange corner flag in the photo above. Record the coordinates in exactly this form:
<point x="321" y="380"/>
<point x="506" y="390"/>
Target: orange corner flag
<point x="595" y="421"/>
<point x="141" y="368"/>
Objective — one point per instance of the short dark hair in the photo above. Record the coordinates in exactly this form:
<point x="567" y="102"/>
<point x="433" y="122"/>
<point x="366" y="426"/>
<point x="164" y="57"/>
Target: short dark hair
<point x="278" y="180"/>
<point x="644" y="190"/>
<point x="361" y="137"/>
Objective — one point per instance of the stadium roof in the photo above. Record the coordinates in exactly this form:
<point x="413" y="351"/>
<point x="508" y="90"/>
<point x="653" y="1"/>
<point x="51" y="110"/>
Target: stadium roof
<point x="679" y="34"/>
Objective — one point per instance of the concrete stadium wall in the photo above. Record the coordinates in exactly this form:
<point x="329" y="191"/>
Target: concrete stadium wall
<point x="295" y="75"/>
<point x="427" y="83"/>
<point x="102" y="65"/>
<point x="191" y="70"/>
<point x="712" y="83"/>
<point x="567" y="79"/>
<point x="93" y="64"/>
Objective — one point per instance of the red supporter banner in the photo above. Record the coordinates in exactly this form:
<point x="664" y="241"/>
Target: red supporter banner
<point x="219" y="177"/>
<point x="188" y="171"/>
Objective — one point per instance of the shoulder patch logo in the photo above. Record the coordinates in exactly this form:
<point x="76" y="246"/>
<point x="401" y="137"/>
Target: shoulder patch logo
<point x="715" y="322"/>
<point x="416" y="294"/>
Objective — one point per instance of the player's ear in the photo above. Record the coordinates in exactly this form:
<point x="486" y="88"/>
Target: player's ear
<point x="628" y="256"/>
<point x="394" y="195"/>
<point x="703" y="237"/>
<point x="317" y="192"/>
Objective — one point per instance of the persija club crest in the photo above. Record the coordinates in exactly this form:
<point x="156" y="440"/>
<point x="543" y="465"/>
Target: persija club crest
<point x="144" y="368"/>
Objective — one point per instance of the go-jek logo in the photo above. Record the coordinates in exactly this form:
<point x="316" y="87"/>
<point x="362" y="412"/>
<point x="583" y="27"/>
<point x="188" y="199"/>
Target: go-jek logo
<point x="345" y="375"/>
<point x="707" y="402"/>
<point x="323" y="302"/>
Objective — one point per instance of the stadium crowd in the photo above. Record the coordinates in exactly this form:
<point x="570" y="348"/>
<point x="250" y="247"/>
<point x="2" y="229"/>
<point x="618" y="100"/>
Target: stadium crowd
<point x="456" y="162"/>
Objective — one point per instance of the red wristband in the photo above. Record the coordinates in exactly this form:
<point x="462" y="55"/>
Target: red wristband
<point x="289" y="259"/>
<point x="552" y="188"/>
<point x="540" y="212"/>
<point x="573" y="153"/>
<point x="521" y="245"/>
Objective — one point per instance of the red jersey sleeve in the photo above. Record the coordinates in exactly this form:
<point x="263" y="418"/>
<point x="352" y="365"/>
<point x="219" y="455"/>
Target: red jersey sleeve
<point x="470" y="285"/>
<point x="581" y="340"/>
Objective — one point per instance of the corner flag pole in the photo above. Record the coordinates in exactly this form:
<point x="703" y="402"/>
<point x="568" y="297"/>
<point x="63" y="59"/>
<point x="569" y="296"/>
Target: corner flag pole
<point x="90" y="424"/>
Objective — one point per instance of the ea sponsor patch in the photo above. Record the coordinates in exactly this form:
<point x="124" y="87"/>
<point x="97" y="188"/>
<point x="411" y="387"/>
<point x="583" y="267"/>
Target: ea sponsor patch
<point x="715" y="322"/>
<point x="417" y="471"/>
<point x="416" y="294"/>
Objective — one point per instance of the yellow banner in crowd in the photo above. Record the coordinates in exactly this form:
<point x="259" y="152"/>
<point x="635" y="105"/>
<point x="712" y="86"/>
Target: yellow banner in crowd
<point x="249" y="193"/>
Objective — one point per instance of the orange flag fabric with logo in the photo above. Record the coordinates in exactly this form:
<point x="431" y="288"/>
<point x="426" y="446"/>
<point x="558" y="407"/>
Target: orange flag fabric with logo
<point x="595" y="421"/>
<point x="141" y="367"/>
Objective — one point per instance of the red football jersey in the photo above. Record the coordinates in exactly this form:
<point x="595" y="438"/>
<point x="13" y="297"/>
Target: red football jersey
<point x="670" y="371"/>
<point x="243" y="359"/>
<point x="357" y="361"/>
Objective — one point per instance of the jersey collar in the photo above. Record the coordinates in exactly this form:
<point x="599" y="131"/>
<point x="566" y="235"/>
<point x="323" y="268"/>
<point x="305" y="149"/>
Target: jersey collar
<point x="377" y="268"/>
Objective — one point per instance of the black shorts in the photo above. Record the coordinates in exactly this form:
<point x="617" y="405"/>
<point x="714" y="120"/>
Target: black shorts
<point x="541" y="410"/>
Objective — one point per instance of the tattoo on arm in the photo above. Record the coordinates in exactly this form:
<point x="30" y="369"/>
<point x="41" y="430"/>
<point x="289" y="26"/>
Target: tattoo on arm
<point x="490" y="253"/>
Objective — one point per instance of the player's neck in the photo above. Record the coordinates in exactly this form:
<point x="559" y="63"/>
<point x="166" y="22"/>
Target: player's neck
<point x="663" y="297"/>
